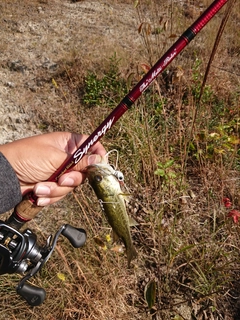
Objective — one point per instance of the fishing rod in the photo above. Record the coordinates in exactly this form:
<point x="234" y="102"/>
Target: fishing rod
<point x="28" y="209"/>
<point x="19" y="252"/>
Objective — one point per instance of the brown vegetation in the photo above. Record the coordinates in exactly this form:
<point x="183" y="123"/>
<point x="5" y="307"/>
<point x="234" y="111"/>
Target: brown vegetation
<point x="180" y="156"/>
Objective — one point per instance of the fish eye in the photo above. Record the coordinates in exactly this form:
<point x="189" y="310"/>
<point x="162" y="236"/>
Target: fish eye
<point x="98" y="178"/>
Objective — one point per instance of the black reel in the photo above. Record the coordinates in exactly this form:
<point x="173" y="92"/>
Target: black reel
<point x="20" y="253"/>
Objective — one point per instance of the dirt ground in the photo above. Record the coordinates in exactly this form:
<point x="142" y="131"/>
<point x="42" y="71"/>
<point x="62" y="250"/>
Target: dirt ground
<point x="36" y="34"/>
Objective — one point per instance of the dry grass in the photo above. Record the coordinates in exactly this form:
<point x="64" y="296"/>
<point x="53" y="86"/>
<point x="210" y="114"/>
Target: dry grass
<point x="186" y="243"/>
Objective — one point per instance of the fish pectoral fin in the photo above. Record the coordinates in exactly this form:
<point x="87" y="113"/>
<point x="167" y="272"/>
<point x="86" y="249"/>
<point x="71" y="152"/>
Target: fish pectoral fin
<point x="114" y="236"/>
<point x="126" y="196"/>
<point x="132" y="222"/>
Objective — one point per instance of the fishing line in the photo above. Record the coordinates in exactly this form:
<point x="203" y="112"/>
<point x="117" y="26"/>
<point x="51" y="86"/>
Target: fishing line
<point x="27" y="209"/>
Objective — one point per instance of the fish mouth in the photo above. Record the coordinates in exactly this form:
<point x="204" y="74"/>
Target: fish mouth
<point x="90" y="167"/>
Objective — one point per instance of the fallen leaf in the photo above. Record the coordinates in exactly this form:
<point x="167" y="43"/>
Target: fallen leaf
<point x="61" y="276"/>
<point x="235" y="215"/>
<point x="118" y="248"/>
<point x="145" y="67"/>
<point x="227" y="202"/>
<point x="108" y="238"/>
<point x="99" y="242"/>
<point x="54" y="83"/>
<point x="150" y="293"/>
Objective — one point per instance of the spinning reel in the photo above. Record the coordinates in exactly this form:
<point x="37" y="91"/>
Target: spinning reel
<point x="20" y="253"/>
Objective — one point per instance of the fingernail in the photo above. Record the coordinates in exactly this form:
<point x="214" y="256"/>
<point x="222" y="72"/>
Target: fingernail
<point x="94" y="158"/>
<point x="41" y="202"/>
<point x="42" y="191"/>
<point x="67" y="182"/>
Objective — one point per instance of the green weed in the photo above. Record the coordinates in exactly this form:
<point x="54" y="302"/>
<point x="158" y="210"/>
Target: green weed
<point x="180" y="157"/>
<point x="106" y="90"/>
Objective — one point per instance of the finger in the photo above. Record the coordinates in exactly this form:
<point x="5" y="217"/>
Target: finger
<point x="75" y="178"/>
<point x="66" y="182"/>
<point x="44" y="196"/>
<point x="78" y="140"/>
<point x="50" y="190"/>
<point x="42" y="202"/>
<point x="71" y="179"/>
<point x="89" y="159"/>
<point x="98" y="149"/>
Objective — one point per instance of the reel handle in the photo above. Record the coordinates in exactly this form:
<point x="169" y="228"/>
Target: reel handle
<point x="32" y="294"/>
<point x="76" y="236"/>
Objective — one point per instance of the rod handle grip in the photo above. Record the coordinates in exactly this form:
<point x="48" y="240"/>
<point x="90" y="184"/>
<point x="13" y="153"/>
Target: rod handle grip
<point x="27" y="209"/>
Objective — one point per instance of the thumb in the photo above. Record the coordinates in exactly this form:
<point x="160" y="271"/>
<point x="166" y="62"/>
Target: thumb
<point x="89" y="160"/>
<point x="96" y="158"/>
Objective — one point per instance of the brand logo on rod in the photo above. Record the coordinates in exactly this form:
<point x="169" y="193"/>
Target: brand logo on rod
<point x="82" y="151"/>
<point x="155" y="73"/>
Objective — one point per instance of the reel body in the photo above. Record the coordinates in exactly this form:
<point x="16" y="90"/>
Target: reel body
<point x="20" y="253"/>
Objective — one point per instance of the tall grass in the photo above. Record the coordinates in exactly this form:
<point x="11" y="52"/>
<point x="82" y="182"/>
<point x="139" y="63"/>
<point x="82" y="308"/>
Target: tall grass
<point x="178" y="166"/>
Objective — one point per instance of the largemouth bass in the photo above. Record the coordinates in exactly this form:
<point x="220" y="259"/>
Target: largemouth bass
<point x="105" y="182"/>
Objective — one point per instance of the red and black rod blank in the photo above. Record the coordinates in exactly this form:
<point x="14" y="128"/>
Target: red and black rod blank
<point x="140" y="87"/>
<point x="124" y="105"/>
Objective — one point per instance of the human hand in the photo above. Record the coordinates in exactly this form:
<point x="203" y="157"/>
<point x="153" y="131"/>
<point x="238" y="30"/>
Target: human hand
<point x="36" y="158"/>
